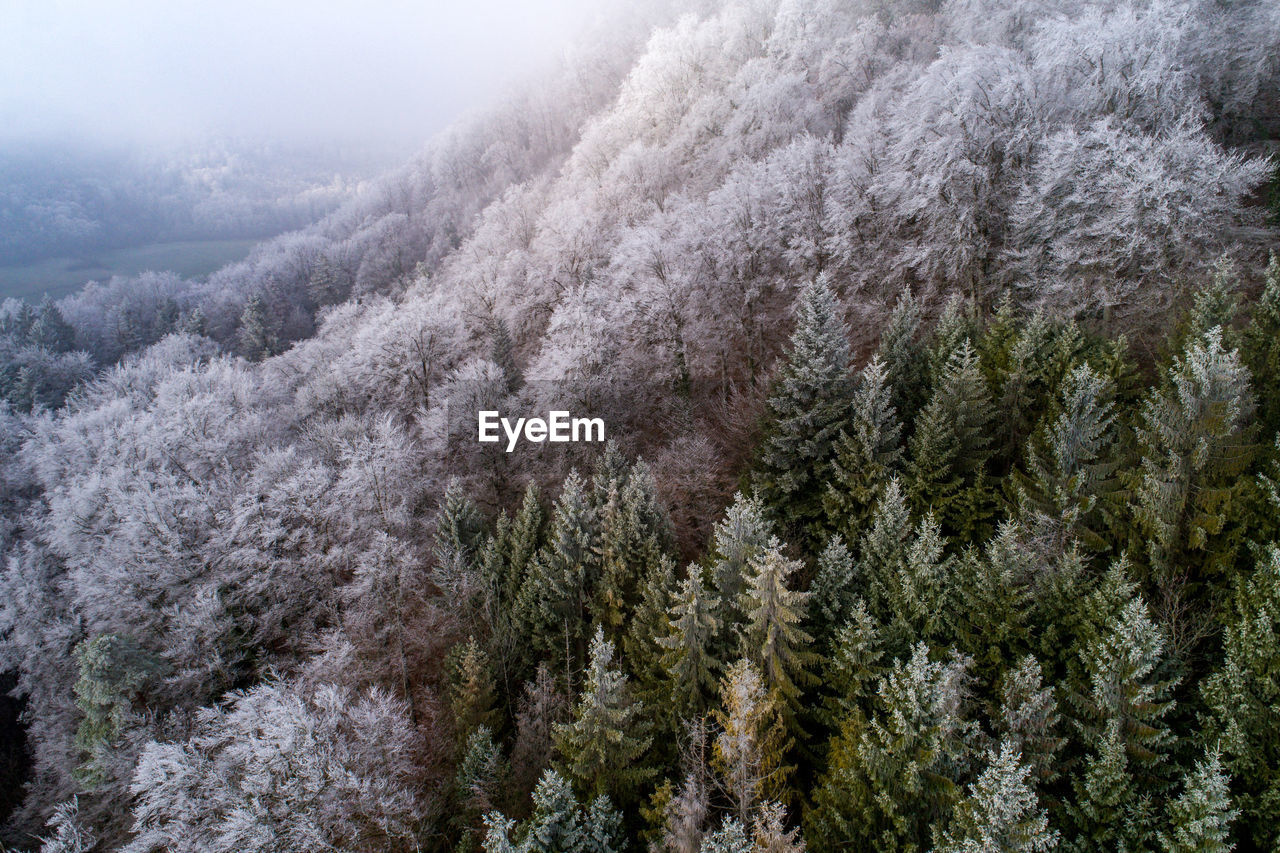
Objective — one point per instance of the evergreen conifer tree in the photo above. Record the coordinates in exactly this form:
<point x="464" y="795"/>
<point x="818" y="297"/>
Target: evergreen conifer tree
<point x="742" y="534"/>
<point x="1199" y="820"/>
<point x="748" y="751"/>
<point x="992" y="602"/>
<point x="1195" y="442"/>
<point x="947" y="473"/>
<point x="1065" y="493"/>
<point x="604" y="745"/>
<point x="556" y="591"/>
<point x="1028" y="719"/>
<point x="1261" y="349"/>
<point x="868" y="452"/>
<point x="772" y="636"/>
<point x="891" y="774"/>
<point x="833" y="592"/>
<point x="904" y="359"/>
<point x="689" y="644"/>
<point x="472" y="691"/>
<point x="1243" y="695"/>
<point x="479" y="779"/>
<point x="1001" y="812"/>
<point x="1121" y="693"/>
<point x="809" y="404"/>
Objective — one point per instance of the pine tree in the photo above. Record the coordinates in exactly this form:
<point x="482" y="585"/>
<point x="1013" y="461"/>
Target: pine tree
<point x="737" y="539"/>
<point x="559" y="824"/>
<point x="1261" y="348"/>
<point x="257" y="338"/>
<point x="868" y="452"/>
<point x="114" y="669"/>
<point x="604" y="744"/>
<point x="1001" y="811"/>
<point x="640" y="642"/>
<point x="772" y="637"/>
<point x="1121" y="693"/>
<point x="904" y="358"/>
<point x="833" y="592"/>
<point x="748" y="751"/>
<point x="992" y="602"/>
<point x="50" y="330"/>
<point x="809" y="404"/>
<point x="1199" y="820"/>
<point x="853" y="669"/>
<point x="635" y="534"/>
<point x="1216" y="306"/>
<point x="1065" y="493"/>
<point x="911" y="589"/>
<point x="502" y="353"/>
<point x="957" y="325"/>
<point x="689" y="644"/>
<point x="729" y="838"/>
<point x="948" y="453"/>
<point x="769" y="833"/>
<point x="554" y="597"/>
<point x="891" y="773"/>
<point x="1028" y="719"/>
<point x="479" y="779"/>
<point x="1243" y="695"/>
<point x="458" y="531"/>
<point x="1108" y="809"/>
<point x="472" y="693"/>
<point x="1195" y="442"/>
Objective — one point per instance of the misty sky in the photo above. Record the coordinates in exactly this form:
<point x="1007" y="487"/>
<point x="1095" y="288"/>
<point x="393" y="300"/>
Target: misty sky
<point x="379" y="72"/>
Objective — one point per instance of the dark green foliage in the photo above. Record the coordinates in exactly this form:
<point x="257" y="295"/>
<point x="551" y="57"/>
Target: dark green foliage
<point x="947" y="467"/>
<point x="604" y="745"/>
<point x="808" y="407"/>
<point x="1242" y="698"/>
<point x="114" y="669"/>
<point x="1261" y="350"/>
<point x="904" y="358"/>
<point x="833" y="593"/>
<point x="868" y="453"/>
<point x="1195" y="439"/>
<point x="890" y="774"/>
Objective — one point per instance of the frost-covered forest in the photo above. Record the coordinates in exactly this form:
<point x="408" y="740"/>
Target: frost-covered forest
<point x="939" y="345"/>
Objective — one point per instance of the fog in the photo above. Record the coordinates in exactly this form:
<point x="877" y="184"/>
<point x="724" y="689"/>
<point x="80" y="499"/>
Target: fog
<point x="138" y="73"/>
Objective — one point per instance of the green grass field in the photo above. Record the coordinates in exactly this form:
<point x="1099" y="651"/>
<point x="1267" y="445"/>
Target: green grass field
<point x="61" y="276"/>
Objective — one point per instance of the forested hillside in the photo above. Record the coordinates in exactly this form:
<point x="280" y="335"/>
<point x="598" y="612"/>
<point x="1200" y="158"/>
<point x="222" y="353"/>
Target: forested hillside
<point x="939" y="347"/>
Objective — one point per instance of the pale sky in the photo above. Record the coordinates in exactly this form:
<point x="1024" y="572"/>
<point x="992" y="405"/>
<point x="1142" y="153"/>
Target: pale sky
<point x="381" y="71"/>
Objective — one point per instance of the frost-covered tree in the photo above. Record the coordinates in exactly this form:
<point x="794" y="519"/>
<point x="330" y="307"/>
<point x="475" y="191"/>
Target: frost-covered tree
<point x="1000" y="812"/>
<point x="890" y="773"/>
<point x="833" y="593"/>
<point x="1063" y="494"/>
<point x="275" y="768"/>
<point x="737" y="539"/>
<point x="605" y="743"/>
<point x="559" y="824"/>
<point x="1200" y="818"/>
<point x="1195" y="439"/>
<point x="748" y="751"/>
<point x="1028" y="719"/>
